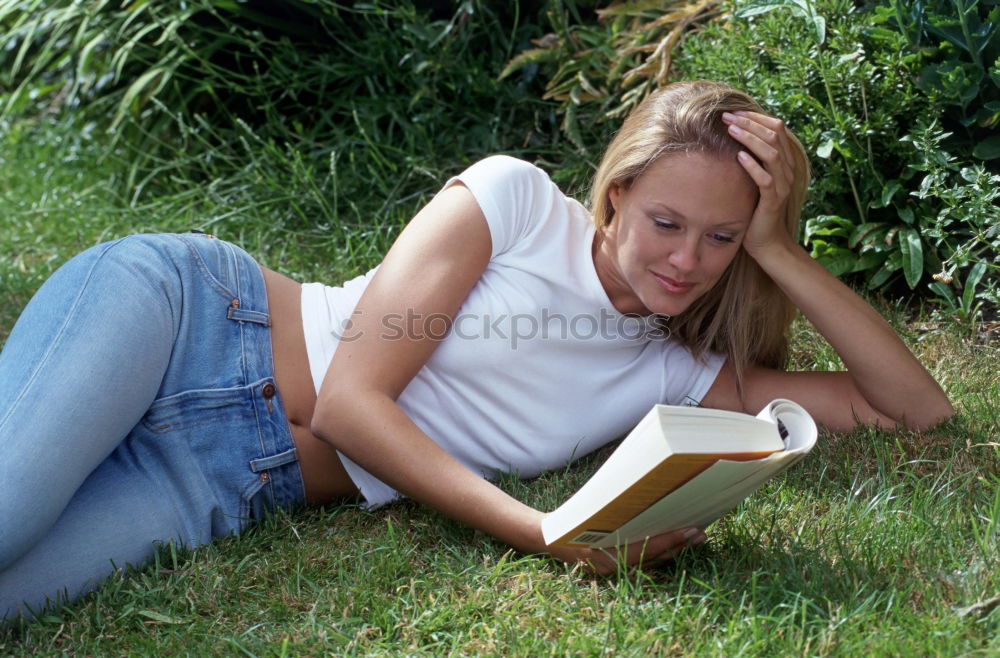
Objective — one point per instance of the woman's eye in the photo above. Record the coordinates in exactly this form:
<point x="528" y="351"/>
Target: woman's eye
<point x="664" y="224"/>
<point x="722" y="237"/>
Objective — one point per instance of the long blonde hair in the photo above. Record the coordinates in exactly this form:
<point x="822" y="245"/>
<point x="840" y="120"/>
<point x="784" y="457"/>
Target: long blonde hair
<point x="745" y="315"/>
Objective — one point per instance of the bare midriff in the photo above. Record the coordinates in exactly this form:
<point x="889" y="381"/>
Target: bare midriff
<point x="322" y="471"/>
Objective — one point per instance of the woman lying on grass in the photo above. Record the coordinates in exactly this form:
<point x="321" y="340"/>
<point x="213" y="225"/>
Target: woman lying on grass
<point x="166" y="388"/>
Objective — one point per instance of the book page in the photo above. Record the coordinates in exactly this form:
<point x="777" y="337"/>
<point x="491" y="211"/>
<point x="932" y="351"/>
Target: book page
<point x="668" y="447"/>
<point x="719" y="488"/>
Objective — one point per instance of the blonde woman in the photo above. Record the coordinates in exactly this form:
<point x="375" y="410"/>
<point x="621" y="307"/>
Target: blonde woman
<point x="167" y="388"/>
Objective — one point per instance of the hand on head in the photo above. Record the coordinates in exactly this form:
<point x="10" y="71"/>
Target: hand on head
<point x="770" y="161"/>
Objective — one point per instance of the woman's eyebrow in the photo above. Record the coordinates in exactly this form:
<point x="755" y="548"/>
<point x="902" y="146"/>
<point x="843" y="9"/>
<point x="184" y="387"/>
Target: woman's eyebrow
<point x="659" y="206"/>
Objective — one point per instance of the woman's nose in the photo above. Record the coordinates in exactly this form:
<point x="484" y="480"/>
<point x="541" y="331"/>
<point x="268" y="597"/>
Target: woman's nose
<point x="684" y="257"/>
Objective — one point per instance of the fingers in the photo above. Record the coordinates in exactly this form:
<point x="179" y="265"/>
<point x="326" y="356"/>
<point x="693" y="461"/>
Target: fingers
<point x="767" y="138"/>
<point x="652" y="551"/>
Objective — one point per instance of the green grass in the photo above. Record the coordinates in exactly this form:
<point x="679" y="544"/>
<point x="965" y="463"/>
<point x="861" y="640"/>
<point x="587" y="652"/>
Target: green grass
<point x="870" y="546"/>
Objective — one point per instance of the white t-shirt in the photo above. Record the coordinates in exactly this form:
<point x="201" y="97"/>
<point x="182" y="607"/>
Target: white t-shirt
<point x="539" y="368"/>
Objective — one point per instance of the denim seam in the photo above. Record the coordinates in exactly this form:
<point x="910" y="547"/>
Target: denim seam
<point x="202" y="268"/>
<point x="55" y="341"/>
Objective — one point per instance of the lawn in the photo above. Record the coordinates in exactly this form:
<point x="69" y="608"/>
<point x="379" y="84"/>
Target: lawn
<point x="879" y="543"/>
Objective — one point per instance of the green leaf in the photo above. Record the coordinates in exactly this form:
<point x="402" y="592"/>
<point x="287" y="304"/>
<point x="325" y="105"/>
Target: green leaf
<point x="913" y="255"/>
<point x="969" y="292"/>
<point x="162" y="618"/>
<point x="882" y="275"/>
<point x="838" y="260"/>
<point x="988" y="149"/>
<point x="828" y="225"/>
<point x="870" y="261"/>
<point x="889" y="191"/>
<point x="946" y="294"/>
<point x="819" y="27"/>
<point x="862" y="231"/>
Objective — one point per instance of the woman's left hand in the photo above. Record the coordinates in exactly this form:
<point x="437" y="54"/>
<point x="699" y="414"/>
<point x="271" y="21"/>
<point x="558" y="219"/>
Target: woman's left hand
<point x="772" y="167"/>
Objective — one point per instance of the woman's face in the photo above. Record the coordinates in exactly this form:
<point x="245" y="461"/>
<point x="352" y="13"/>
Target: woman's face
<point x="674" y="232"/>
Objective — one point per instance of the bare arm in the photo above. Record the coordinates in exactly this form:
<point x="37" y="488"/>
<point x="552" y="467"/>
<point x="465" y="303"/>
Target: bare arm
<point x="428" y="273"/>
<point x="884" y="383"/>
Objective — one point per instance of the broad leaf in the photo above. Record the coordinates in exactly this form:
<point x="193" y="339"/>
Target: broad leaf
<point x="863" y="231"/>
<point x="946" y="293"/>
<point x="913" y="255"/>
<point x="969" y="293"/>
<point x="838" y="261"/>
<point x="988" y="149"/>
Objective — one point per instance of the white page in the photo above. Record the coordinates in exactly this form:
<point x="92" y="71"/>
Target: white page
<point x="722" y="486"/>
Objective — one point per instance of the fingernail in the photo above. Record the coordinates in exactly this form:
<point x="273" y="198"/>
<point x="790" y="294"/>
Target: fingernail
<point x="734" y="129"/>
<point x="727" y="116"/>
<point x="691" y="532"/>
<point x="699" y="539"/>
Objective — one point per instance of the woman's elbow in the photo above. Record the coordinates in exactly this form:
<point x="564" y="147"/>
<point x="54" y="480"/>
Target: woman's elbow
<point x="329" y="417"/>
<point x="928" y="414"/>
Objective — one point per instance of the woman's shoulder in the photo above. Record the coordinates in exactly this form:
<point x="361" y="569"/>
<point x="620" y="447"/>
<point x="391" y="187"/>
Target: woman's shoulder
<point x="505" y="170"/>
<point x="519" y="200"/>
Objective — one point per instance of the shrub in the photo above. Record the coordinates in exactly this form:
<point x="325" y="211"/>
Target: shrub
<point x="897" y="195"/>
<point x="383" y="97"/>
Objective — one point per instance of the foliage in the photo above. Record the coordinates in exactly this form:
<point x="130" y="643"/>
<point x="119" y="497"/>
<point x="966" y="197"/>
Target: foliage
<point x="379" y="80"/>
<point x="931" y="215"/>
<point x="853" y="88"/>
<point x="960" y="40"/>
<point x="613" y="63"/>
<point x="966" y="224"/>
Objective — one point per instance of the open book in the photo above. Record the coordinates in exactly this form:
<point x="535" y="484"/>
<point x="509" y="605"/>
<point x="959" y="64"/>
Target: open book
<point x="679" y="467"/>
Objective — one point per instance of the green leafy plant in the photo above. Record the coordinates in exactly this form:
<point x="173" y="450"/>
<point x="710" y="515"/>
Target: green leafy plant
<point x="896" y="200"/>
<point x="946" y="231"/>
<point x="961" y="202"/>
<point x="395" y="91"/>
<point x="604" y="69"/>
<point x="960" y="40"/>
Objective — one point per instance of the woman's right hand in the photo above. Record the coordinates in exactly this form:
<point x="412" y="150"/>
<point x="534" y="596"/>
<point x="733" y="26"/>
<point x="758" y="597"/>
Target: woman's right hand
<point x="652" y="551"/>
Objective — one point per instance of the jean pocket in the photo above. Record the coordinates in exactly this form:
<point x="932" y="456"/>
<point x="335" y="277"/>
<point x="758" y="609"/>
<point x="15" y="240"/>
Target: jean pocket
<point x="255" y="501"/>
<point x="214" y="261"/>
<point x="197" y="408"/>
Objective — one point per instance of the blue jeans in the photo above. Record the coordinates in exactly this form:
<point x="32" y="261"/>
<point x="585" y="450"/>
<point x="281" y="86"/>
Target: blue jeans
<point x="137" y="407"/>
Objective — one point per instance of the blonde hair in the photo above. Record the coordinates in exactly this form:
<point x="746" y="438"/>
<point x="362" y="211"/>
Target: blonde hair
<point x="745" y="315"/>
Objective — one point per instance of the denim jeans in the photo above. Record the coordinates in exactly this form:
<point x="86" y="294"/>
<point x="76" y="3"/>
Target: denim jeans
<point x="137" y="407"/>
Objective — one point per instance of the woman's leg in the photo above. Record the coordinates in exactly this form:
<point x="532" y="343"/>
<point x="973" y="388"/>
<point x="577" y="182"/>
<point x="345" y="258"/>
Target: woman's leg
<point x="80" y="368"/>
<point x="137" y="406"/>
<point x="110" y="522"/>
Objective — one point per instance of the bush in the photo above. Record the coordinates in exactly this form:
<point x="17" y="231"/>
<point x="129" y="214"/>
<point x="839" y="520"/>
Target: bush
<point x="349" y="112"/>
<point x="896" y="197"/>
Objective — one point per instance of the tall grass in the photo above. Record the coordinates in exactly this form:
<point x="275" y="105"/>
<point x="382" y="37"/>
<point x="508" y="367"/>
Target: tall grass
<point x="367" y="100"/>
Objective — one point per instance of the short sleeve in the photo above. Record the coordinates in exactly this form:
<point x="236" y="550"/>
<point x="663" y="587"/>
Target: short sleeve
<point x="686" y="378"/>
<point x="513" y="195"/>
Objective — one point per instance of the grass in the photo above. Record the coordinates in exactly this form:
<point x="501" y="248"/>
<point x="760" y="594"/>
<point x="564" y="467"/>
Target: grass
<point x="873" y="545"/>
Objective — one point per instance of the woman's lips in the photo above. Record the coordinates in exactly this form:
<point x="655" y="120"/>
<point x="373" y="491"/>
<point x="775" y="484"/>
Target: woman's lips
<point x="673" y="286"/>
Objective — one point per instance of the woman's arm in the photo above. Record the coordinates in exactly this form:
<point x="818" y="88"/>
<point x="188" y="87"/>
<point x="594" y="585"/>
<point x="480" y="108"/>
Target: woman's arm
<point x="422" y="281"/>
<point x="884" y="383"/>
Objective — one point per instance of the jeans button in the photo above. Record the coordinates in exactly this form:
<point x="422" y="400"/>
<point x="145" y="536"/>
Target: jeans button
<point x="268" y="391"/>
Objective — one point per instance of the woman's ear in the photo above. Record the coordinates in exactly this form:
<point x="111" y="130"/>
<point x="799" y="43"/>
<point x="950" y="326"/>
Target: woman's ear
<point x="614" y="196"/>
